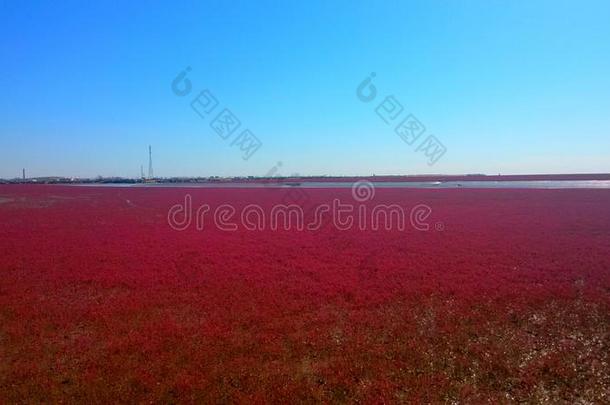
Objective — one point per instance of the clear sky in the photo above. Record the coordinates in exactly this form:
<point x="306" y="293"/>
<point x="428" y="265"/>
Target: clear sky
<point x="506" y="86"/>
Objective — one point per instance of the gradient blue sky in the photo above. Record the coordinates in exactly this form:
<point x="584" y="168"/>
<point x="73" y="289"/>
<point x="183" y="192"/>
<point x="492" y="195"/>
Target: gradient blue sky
<point x="507" y="86"/>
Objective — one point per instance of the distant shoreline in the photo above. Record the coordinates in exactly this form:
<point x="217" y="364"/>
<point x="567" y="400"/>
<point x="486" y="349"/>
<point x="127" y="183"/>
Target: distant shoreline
<point x="317" y="179"/>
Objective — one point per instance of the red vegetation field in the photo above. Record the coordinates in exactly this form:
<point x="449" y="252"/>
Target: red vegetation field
<point x="101" y="301"/>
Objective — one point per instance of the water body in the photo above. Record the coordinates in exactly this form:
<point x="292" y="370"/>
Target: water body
<point x="526" y="184"/>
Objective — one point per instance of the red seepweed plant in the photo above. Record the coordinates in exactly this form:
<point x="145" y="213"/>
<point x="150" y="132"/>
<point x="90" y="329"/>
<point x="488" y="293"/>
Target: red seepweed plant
<point x="101" y="300"/>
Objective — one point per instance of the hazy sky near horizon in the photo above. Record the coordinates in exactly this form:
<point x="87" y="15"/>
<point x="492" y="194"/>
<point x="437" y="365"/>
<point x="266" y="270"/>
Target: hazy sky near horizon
<point x="506" y="86"/>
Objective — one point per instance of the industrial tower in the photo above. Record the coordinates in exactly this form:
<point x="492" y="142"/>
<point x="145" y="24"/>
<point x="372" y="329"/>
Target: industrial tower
<point x="150" y="168"/>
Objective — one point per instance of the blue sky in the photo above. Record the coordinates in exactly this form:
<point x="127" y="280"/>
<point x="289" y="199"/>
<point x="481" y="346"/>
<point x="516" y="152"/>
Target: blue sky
<point x="506" y="86"/>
